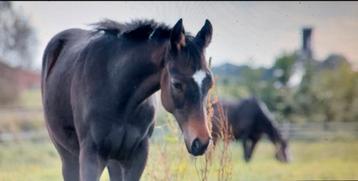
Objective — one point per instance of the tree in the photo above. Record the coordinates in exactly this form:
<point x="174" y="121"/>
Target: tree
<point x="17" y="37"/>
<point x="17" y="41"/>
<point x="284" y="67"/>
<point x="337" y="93"/>
<point x="282" y="95"/>
<point x="305" y="100"/>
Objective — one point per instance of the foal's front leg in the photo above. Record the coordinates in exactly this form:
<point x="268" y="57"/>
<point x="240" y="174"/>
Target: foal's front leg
<point x="134" y="167"/>
<point x="252" y="147"/>
<point x="91" y="163"/>
<point x="246" y="146"/>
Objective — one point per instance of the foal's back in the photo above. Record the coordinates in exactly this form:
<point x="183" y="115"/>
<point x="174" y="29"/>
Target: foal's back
<point x="244" y="116"/>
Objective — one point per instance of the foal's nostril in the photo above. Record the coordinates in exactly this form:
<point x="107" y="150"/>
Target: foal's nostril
<point x="197" y="148"/>
<point x="195" y="145"/>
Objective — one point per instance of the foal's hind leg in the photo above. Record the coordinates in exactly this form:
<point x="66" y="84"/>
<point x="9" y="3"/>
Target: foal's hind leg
<point x="115" y="170"/>
<point x="70" y="164"/>
<point x="134" y="168"/>
<point x="91" y="163"/>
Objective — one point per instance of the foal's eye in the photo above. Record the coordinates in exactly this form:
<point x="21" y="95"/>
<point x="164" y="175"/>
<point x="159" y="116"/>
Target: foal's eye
<point x="178" y="86"/>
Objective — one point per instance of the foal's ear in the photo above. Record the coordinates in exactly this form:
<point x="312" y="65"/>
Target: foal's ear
<point x="177" y="36"/>
<point x="203" y="37"/>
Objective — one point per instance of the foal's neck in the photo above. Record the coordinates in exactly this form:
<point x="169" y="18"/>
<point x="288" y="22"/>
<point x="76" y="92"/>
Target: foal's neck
<point x="273" y="132"/>
<point x="147" y="86"/>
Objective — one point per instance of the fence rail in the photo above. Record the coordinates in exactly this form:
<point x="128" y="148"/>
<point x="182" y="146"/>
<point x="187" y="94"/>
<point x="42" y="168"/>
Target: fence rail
<point x="331" y="130"/>
<point x="305" y="131"/>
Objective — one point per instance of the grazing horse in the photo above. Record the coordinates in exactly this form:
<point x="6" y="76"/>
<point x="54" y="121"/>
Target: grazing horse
<point x="97" y="91"/>
<point x="249" y="119"/>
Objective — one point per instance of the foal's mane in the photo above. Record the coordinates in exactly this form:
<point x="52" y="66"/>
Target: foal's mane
<point x="136" y="29"/>
<point x="142" y="30"/>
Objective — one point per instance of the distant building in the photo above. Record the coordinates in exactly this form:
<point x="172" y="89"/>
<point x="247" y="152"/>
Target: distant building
<point x="333" y="61"/>
<point x="304" y="56"/>
<point x="306" y="50"/>
<point x="24" y="79"/>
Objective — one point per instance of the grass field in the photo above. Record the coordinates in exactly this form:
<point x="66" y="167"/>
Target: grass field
<point x="33" y="161"/>
<point x="168" y="159"/>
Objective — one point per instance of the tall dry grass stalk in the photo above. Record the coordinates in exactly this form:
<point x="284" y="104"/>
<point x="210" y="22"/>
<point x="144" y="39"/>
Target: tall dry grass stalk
<point x="225" y="157"/>
<point x="205" y="167"/>
<point x="219" y="152"/>
<point x="165" y="167"/>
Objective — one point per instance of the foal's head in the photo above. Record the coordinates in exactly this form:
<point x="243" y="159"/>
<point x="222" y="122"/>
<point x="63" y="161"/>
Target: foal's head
<point x="185" y="82"/>
<point x="282" y="154"/>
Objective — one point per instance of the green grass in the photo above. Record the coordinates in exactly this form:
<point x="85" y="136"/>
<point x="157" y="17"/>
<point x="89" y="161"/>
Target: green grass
<point x="169" y="160"/>
<point x="31" y="99"/>
<point x="315" y="160"/>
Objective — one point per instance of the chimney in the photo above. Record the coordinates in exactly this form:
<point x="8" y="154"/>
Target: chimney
<point x="306" y="42"/>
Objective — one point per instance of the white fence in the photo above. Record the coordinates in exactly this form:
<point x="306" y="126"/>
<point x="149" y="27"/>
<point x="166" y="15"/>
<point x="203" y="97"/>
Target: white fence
<point x="304" y="131"/>
<point x="319" y="130"/>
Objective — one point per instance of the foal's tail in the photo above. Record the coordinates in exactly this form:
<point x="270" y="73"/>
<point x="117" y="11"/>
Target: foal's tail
<point x="49" y="58"/>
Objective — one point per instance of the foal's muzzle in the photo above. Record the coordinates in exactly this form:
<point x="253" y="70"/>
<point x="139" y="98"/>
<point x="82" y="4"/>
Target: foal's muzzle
<point x="198" y="148"/>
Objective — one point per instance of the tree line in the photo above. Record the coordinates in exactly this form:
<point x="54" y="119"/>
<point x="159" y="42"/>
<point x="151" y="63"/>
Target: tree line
<point x="326" y="91"/>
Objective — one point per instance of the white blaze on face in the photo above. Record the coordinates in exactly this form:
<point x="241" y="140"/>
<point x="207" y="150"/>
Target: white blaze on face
<point x="198" y="77"/>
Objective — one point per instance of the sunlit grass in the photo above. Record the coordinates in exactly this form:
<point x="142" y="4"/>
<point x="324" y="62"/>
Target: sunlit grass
<point x="29" y="161"/>
<point x="28" y="118"/>
<point x="31" y="99"/>
<point x="170" y="161"/>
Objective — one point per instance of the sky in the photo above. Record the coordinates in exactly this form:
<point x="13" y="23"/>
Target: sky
<point x="252" y="33"/>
